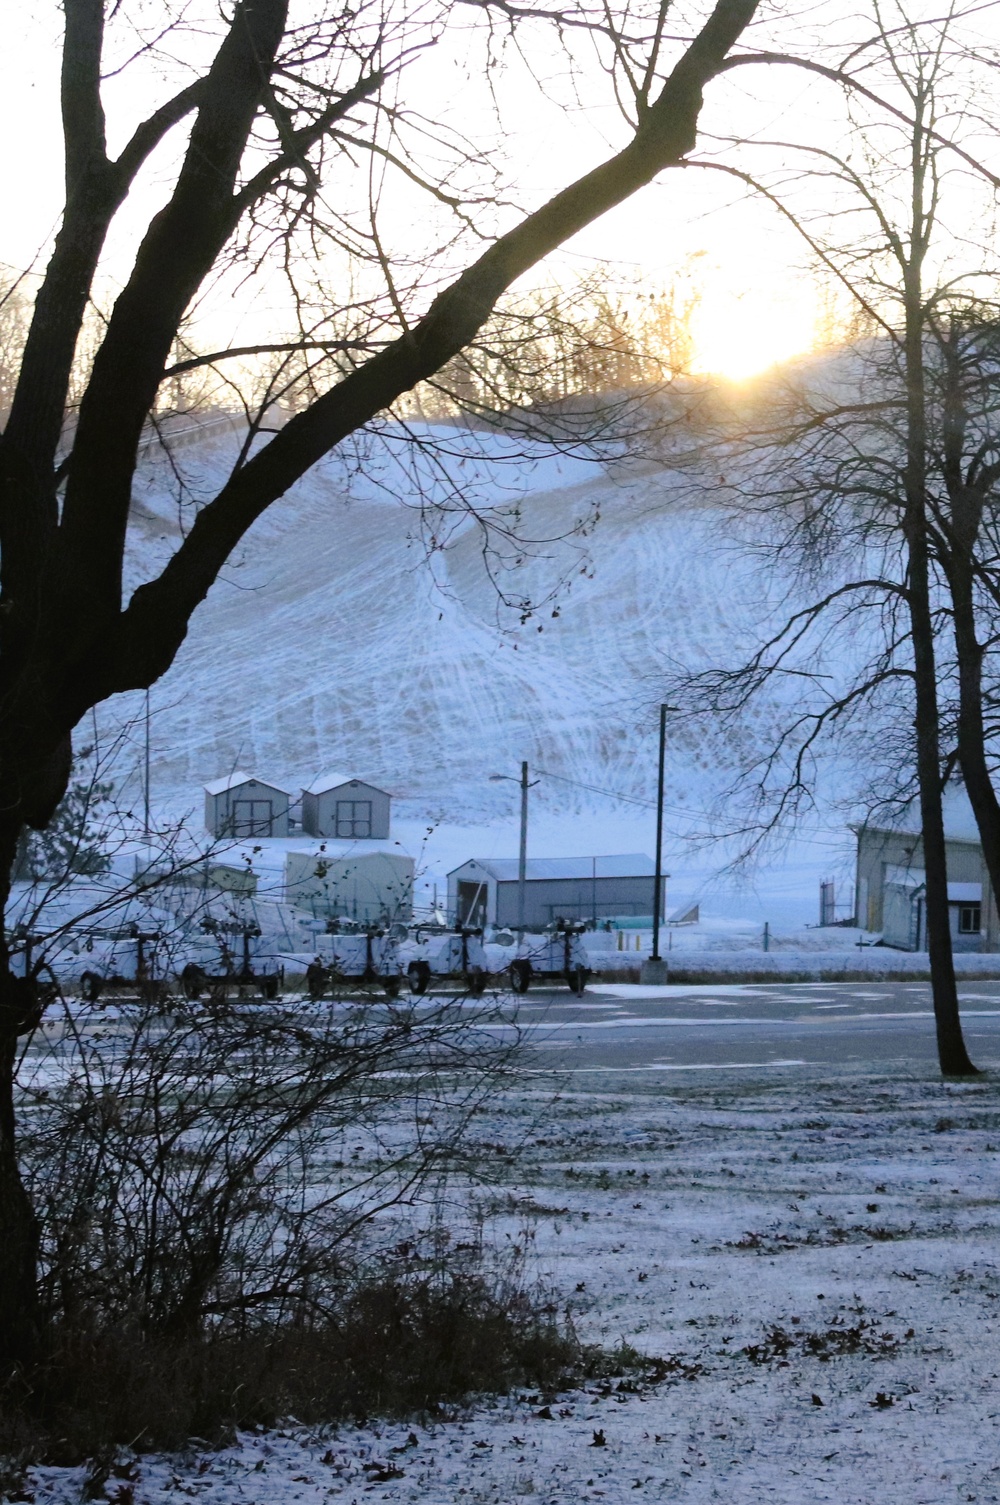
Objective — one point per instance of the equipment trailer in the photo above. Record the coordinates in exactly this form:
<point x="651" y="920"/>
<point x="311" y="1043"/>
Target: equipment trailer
<point x="366" y="955"/>
<point x="559" y="953"/>
<point x="457" y="955"/>
<point x="104" y="976"/>
<point x="196" y="979"/>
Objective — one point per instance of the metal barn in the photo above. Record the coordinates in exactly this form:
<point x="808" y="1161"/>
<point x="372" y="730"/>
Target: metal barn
<point x="345" y="809"/>
<point x="243" y="806"/>
<point x="484" y="890"/>
<point x="890" y="881"/>
<point x="372" y="887"/>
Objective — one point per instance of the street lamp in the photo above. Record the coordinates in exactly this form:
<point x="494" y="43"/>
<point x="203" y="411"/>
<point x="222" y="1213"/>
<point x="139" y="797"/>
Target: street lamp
<point x="654" y="970"/>
<point x="522" y="862"/>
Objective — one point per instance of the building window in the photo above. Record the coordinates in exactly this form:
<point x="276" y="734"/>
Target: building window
<point x="970" y="919"/>
<point x="252" y="818"/>
<point x="354" y="818"/>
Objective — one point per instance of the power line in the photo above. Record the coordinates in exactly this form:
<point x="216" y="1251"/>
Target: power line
<point x="829" y="839"/>
<point x="613" y="794"/>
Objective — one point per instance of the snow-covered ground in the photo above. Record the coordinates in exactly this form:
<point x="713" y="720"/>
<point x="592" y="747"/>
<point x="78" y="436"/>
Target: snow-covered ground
<point x="814" y="1258"/>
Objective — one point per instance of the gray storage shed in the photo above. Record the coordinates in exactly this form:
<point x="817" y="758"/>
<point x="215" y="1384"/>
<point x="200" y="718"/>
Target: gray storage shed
<point x="484" y="890"/>
<point x="242" y="806"/>
<point x="345" y="809"/>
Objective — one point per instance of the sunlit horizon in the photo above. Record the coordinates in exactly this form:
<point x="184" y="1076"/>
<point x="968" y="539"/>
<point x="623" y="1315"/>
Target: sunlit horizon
<point x="738" y="335"/>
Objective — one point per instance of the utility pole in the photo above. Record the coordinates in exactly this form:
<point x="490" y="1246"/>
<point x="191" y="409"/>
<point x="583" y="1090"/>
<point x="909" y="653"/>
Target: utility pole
<point x="654" y="969"/>
<point x="522" y="860"/>
<point x="658" y="880"/>
<point x="145" y="782"/>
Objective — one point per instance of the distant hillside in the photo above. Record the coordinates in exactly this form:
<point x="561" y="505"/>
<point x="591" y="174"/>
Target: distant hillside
<point x="358" y="630"/>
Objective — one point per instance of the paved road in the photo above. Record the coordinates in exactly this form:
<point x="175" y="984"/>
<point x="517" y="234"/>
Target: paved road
<point x="685" y="1028"/>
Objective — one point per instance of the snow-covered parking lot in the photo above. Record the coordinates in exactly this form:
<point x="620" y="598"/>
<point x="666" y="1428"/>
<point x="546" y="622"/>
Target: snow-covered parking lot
<point x="811" y="1250"/>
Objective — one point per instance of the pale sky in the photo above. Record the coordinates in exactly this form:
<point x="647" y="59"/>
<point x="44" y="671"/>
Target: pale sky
<point x="758" y="300"/>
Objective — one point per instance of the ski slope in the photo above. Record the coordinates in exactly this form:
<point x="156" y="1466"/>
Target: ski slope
<point x="359" y="627"/>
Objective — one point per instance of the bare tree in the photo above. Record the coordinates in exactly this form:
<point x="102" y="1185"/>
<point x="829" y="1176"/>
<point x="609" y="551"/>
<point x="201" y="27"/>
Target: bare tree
<point x="965" y="350"/>
<point x="276" y="122"/>
<point x="857" y="468"/>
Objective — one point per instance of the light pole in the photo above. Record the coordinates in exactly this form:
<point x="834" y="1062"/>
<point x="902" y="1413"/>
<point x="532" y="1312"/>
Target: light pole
<point x="658" y="880"/>
<point x="145" y="782"/>
<point x="522" y="860"/>
<point x="654" y="970"/>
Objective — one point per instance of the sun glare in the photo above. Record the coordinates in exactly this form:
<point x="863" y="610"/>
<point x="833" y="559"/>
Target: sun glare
<point x="739" y="335"/>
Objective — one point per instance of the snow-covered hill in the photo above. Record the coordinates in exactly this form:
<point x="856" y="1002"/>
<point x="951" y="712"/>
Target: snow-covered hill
<point x="334" y="640"/>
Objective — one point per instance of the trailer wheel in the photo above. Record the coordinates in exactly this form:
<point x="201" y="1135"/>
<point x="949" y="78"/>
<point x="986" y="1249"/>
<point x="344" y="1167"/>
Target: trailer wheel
<point x="476" y="979"/>
<point x="193" y="981"/>
<point x="578" y="978"/>
<point x="90" y="987"/>
<point x="269" y="986"/>
<point x="520" y="975"/>
<point x="316" y="980"/>
<point x="418" y="975"/>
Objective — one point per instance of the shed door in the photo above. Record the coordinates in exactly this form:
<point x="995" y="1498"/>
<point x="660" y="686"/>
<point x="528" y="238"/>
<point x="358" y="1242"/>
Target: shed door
<point x="354" y="818"/>
<point x="471" y="904"/>
<point x="252" y="818"/>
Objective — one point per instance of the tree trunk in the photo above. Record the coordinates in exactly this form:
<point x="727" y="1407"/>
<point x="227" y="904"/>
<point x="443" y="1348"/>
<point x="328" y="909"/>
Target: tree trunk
<point x="952" y="1054"/>
<point x="20" y="1326"/>
<point x="971" y="730"/>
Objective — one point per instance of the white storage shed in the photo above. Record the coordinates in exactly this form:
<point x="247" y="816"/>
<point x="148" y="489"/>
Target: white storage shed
<point x="345" y="809"/>
<point x="244" y="806"/>
<point x="374" y="887"/>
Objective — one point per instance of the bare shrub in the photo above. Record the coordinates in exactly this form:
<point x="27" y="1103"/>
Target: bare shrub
<point x="242" y="1215"/>
<point x="220" y="1166"/>
<point x="410" y="1334"/>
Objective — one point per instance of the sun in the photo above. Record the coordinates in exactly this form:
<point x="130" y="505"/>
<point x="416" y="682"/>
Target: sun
<point x="737" y="335"/>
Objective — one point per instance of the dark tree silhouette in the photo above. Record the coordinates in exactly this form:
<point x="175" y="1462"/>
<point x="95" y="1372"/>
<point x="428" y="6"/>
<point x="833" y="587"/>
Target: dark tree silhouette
<point x="263" y="121"/>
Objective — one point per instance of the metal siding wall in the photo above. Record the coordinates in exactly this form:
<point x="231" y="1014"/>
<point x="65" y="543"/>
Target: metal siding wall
<point x="381" y="804"/>
<point x="546" y="899"/>
<point x="279" y="823"/>
<point x="361" y="888"/>
<point x="880" y="849"/>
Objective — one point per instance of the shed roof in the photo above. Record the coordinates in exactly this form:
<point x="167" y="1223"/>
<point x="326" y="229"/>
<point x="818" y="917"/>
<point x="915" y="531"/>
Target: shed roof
<point x="959" y="819"/>
<point x="233" y="780"/>
<point x="347" y="851"/>
<point x="537" y="869"/>
<point x="333" y="780"/>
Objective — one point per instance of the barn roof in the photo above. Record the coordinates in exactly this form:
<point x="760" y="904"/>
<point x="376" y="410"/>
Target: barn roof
<point x="333" y="780"/>
<point x="627" y="865"/>
<point x="233" y="780"/>
<point x="959" y="820"/>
